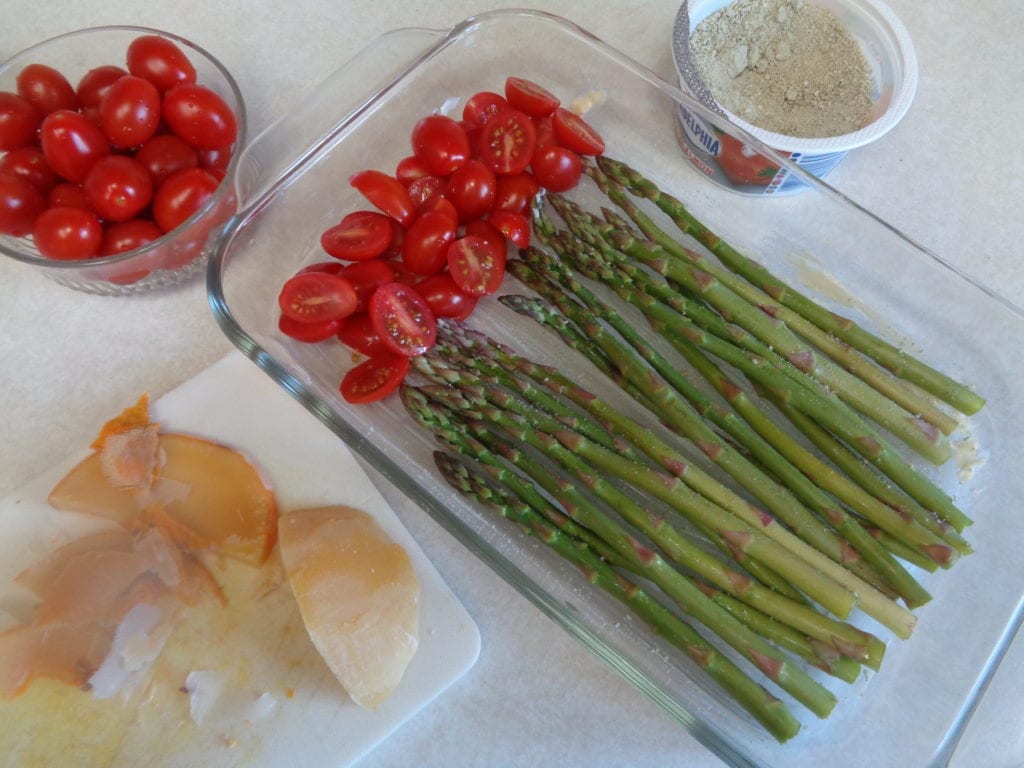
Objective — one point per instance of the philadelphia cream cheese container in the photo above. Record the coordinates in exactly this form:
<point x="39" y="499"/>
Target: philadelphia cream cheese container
<point x="888" y="50"/>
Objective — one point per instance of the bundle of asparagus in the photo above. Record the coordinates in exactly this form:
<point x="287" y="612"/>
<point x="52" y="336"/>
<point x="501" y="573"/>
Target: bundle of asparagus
<point x="831" y="530"/>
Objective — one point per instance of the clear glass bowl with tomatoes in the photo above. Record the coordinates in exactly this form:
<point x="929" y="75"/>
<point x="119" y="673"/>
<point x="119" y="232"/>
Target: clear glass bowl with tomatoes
<point x="118" y="148"/>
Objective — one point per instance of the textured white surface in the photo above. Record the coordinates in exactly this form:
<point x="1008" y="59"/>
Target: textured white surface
<point x="951" y="176"/>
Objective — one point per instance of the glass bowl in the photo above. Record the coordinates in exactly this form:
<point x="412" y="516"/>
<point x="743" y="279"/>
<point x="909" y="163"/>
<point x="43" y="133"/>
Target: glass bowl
<point x="181" y="253"/>
<point x="291" y="181"/>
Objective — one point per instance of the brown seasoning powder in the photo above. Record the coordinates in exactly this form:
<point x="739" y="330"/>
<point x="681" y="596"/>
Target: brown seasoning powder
<point x="785" y="66"/>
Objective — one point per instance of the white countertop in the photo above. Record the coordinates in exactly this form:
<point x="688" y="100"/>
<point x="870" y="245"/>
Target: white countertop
<point x="951" y="176"/>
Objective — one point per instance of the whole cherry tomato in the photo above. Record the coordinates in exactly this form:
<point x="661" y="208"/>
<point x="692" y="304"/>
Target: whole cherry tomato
<point x="118" y="188"/>
<point x="471" y="189"/>
<point x="199" y="116"/>
<point x="29" y="163"/>
<point x="160" y="61"/>
<point x="72" y="144"/>
<point x="164" y="155"/>
<point x="20" y="205"/>
<point x="46" y="88"/>
<point x="515" y="193"/>
<point x="95" y="83"/>
<point x="127" y="236"/>
<point x="130" y="112"/>
<point x="445" y="298"/>
<point x="366" y="277"/>
<point x="556" y="168"/>
<point x="216" y="160"/>
<point x="67" y="233"/>
<point x="181" y="195"/>
<point x="19" y="121"/>
<point x="426" y="243"/>
<point x="440" y="143"/>
<point x="68" y="196"/>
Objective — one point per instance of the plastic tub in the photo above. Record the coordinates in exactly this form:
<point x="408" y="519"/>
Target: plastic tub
<point x="886" y="46"/>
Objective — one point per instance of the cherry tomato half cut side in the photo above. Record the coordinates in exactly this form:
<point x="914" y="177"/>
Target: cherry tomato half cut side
<point x="313" y="297"/>
<point x="507" y="142"/>
<point x="403" y="320"/>
<point x="386" y="193"/>
<point x="476" y="265"/>
<point x="374" y="379"/>
<point x="526" y="96"/>
<point x="359" y="236"/>
<point x="573" y="132"/>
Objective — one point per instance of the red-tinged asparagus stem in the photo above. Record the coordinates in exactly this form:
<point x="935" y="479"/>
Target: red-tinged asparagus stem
<point x="921" y="436"/>
<point x="479" y="348"/>
<point x="897" y="361"/>
<point x="844" y="638"/>
<point x="778" y="499"/>
<point x="829" y="413"/>
<point x="765" y="708"/>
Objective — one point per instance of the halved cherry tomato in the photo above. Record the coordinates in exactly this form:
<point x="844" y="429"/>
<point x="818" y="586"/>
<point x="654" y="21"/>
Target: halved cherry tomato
<point x="96" y="83"/>
<point x="359" y="236"/>
<point x="441" y="205"/>
<point x="181" y="195"/>
<point x="386" y="193"/>
<point x="359" y="335"/>
<point x="426" y="243"/>
<point x="127" y="236"/>
<point x="199" y="116"/>
<point x="118" y="188"/>
<point x="366" y="277"/>
<point x="29" y="164"/>
<point x="409" y="169"/>
<point x="72" y="144"/>
<point x="46" y="88"/>
<point x="527" y="96"/>
<point x="67" y="233"/>
<point x="330" y="267"/>
<point x="545" y="131"/>
<point x="440" y="143"/>
<point x="471" y="189"/>
<point x="482" y="106"/>
<point x="165" y="155"/>
<point x="476" y="265"/>
<point x="403" y="320"/>
<point x="515" y="193"/>
<point x="573" y="132"/>
<point x="397" y="238"/>
<point x="445" y="298"/>
<point x="312" y="297"/>
<point x="19" y="121"/>
<point x="514" y="226"/>
<point x="310" y="333"/>
<point x="68" y="196"/>
<point x="486" y="231"/>
<point x="130" y="112"/>
<point x="403" y="274"/>
<point x="424" y="188"/>
<point x="556" y="168"/>
<point x="20" y="205"/>
<point x="160" y="61"/>
<point x="507" y="142"/>
<point x="374" y="379"/>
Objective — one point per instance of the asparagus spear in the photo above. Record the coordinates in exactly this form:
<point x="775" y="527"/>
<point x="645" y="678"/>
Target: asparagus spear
<point x="480" y="348"/>
<point x="765" y="708"/>
<point x="840" y="637"/>
<point x="778" y="500"/>
<point x="900" y="363"/>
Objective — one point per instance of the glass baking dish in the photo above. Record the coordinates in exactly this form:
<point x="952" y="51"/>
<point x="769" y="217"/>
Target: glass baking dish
<point x="292" y="183"/>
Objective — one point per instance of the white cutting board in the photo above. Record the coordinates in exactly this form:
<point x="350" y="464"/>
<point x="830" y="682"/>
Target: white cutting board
<point x="258" y="643"/>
